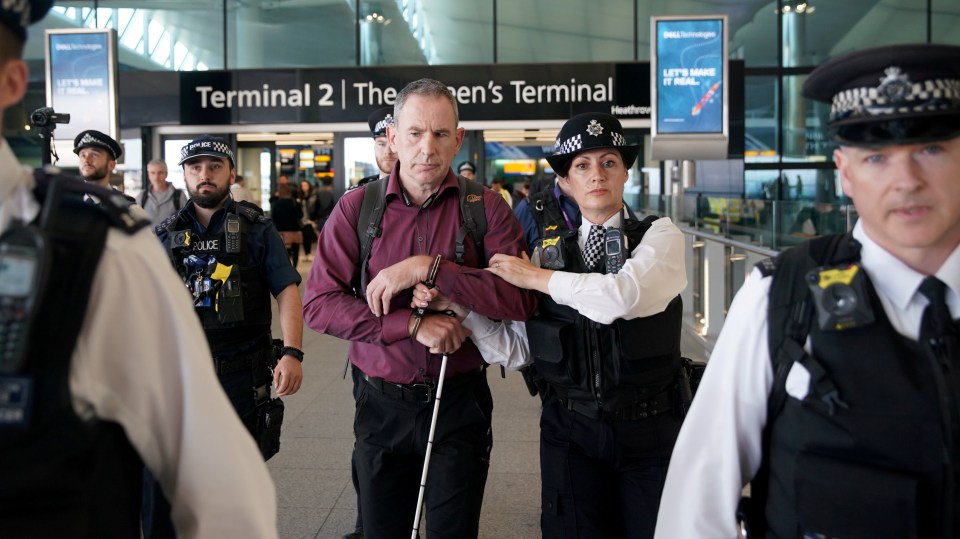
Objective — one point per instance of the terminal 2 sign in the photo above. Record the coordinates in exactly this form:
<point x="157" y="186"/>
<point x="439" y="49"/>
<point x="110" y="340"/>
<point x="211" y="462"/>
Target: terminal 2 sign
<point x="483" y="92"/>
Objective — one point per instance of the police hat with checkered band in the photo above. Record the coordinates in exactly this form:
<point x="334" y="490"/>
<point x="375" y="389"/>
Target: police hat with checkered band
<point x="379" y="120"/>
<point x="210" y="146"/>
<point x="95" y="139"/>
<point x="896" y="94"/>
<point x="18" y="14"/>
<point x="590" y="131"/>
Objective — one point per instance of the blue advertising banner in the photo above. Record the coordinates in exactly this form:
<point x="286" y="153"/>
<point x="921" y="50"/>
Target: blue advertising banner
<point x="79" y="81"/>
<point x="690" y="64"/>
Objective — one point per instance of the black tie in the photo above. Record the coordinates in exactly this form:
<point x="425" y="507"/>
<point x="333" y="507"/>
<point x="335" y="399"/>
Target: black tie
<point x="937" y="323"/>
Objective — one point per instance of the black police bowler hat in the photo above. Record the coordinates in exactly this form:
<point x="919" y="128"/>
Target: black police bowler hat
<point x="209" y="146"/>
<point x="590" y="131"/>
<point x="379" y="120"/>
<point x="18" y="15"/>
<point x="467" y="165"/>
<point x="96" y="139"/>
<point x="895" y="94"/>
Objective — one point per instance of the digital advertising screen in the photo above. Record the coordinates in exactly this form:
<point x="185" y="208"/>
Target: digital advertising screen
<point x="81" y="80"/>
<point x="690" y="65"/>
<point x="689" y="79"/>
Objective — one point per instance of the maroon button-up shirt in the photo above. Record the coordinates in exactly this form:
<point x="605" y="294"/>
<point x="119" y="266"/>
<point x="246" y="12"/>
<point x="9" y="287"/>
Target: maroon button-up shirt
<point x="382" y="347"/>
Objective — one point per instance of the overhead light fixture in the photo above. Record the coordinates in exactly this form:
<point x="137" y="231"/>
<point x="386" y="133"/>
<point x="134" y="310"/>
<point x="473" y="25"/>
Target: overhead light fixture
<point x="800" y="8"/>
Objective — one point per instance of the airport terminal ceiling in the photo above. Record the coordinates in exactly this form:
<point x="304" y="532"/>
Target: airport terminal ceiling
<point x="303" y="33"/>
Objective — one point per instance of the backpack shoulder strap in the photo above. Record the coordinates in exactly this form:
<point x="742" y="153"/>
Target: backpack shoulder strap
<point x="143" y="197"/>
<point x="473" y="218"/>
<point x="368" y="223"/>
<point x="546" y="209"/>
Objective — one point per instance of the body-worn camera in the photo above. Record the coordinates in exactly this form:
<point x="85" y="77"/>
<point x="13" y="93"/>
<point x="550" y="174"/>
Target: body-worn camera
<point x="45" y="117"/>
<point x="841" y="297"/>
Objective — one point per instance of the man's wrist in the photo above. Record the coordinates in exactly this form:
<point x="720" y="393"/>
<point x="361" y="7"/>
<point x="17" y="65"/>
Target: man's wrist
<point x="292" y="351"/>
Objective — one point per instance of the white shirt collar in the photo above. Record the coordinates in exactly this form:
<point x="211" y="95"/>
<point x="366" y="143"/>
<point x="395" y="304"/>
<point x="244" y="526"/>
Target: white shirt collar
<point x="16" y="189"/>
<point x="613" y="222"/>
<point x="900" y="282"/>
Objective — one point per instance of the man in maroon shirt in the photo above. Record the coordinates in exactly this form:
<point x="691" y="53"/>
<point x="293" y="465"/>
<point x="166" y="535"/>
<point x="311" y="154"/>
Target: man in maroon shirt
<point x="396" y="371"/>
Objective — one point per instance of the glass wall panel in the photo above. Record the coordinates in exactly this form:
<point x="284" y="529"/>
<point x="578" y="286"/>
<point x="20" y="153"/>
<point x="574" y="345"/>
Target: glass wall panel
<point x="564" y="31"/>
<point x="814" y="31"/>
<point x="176" y="35"/>
<point x="387" y="38"/>
<point x="760" y="117"/>
<point x="804" y="124"/>
<point x="945" y="26"/>
<point x="753" y="35"/>
<point x="449" y="32"/>
<point x="281" y="34"/>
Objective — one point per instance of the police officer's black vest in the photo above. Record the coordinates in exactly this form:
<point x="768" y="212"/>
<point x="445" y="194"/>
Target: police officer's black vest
<point x="225" y="327"/>
<point x="61" y="476"/>
<point x="864" y="454"/>
<point x="608" y="366"/>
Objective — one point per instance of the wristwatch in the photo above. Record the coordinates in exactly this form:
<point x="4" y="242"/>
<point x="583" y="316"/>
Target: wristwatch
<point x="291" y="351"/>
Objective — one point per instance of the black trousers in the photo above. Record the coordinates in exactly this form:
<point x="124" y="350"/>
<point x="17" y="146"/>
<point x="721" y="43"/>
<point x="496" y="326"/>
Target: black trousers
<point x="602" y="478"/>
<point x="389" y="453"/>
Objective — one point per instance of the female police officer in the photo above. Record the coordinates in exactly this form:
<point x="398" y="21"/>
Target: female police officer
<point x="606" y="341"/>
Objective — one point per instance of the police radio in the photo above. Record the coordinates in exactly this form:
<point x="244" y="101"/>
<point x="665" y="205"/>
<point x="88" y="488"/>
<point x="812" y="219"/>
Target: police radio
<point x="613" y="241"/>
<point x="24" y="260"/>
<point x="232" y="228"/>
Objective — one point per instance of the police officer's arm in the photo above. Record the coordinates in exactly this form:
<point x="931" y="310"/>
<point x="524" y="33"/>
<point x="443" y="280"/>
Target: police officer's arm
<point x="168" y="401"/>
<point x="653" y="275"/>
<point x="501" y="342"/>
<point x="282" y="279"/>
<point x="719" y="447"/>
<point x="288" y="375"/>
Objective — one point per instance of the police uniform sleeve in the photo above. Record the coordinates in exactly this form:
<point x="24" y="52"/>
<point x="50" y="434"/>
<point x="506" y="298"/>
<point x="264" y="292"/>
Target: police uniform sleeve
<point x="653" y="275"/>
<point x="719" y="450"/>
<point x="142" y="361"/>
<point x="277" y="269"/>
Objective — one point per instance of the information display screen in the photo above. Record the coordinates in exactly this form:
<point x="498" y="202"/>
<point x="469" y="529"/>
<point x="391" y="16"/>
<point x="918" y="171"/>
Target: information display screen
<point x="80" y="81"/>
<point x="689" y="76"/>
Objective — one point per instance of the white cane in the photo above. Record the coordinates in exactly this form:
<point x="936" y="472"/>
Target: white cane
<point x="426" y="458"/>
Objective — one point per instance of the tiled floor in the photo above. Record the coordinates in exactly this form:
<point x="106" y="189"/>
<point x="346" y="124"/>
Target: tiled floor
<point x="312" y="471"/>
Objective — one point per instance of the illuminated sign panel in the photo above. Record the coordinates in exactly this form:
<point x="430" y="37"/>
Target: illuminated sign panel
<point x="689" y="84"/>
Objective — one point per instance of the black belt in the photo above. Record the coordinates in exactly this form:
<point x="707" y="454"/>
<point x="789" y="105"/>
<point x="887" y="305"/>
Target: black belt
<point x="658" y="404"/>
<point x="417" y="392"/>
<point x="246" y="362"/>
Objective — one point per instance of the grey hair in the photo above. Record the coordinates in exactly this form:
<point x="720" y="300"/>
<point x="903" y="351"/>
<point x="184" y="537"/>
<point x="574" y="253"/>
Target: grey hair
<point x="159" y="162"/>
<point x="426" y="88"/>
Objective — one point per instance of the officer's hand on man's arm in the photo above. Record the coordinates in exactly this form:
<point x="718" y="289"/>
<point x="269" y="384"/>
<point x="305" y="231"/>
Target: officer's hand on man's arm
<point x="440" y="333"/>
<point x="519" y="271"/>
<point x="392" y="280"/>
<point x="288" y="376"/>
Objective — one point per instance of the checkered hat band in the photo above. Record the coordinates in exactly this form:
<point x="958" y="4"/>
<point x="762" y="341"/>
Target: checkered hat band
<point x="201" y="148"/>
<point x="930" y="95"/>
<point x="89" y="139"/>
<point x="575" y="143"/>
<point x="384" y="123"/>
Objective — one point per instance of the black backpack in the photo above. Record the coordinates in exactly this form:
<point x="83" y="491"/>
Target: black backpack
<point x="473" y="220"/>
